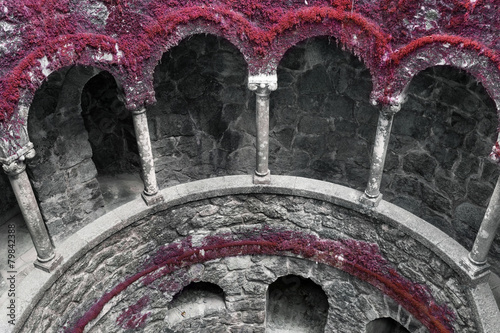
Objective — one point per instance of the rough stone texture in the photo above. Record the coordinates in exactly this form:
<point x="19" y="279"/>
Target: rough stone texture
<point x="322" y="126"/>
<point x="201" y="125"/>
<point x="62" y="173"/>
<point x="437" y="164"/>
<point x="109" y="126"/>
<point x="352" y="303"/>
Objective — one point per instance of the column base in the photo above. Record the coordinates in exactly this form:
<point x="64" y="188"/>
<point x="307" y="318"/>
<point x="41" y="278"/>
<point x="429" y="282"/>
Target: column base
<point x="151" y="200"/>
<point x="476" y="272"/>
<point x="369" y="201"/>
<point x="49" y="266"/>
<point x="262" y="179"/>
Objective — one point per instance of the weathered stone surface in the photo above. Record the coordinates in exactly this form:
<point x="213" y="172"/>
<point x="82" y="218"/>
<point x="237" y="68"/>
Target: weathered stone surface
<point x="316" y="296"/>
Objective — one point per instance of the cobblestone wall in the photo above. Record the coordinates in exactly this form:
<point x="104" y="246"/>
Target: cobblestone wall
<point x="353" y="303"/>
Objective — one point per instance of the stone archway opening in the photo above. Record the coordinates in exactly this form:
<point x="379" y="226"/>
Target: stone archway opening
<point x="63" y="173"/>
<point x="385" y="325"/>
<point x="296" y="304"/>
<point x="201" y="125"/>
<point x="112" y="138"/>
<point x="196" y="302"/>
<point x="322" y="124"/>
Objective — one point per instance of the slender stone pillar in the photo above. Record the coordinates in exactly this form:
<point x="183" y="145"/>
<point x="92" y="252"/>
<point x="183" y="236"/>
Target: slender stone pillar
<point x="372" y="195"/>
<point x="16" y="171"/>
<point x="262" y="85"/>
<point x="488" y="229"/>
<point x="150" y="195"/>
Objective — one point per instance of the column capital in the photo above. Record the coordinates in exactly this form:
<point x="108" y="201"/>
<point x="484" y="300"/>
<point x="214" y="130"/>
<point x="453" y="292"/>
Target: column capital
<point x="391" y="109"/>
<point x="13" y="167"/>
<point x="263" y="84"/>
<point x="26" y="152"/>
<point x="138" y="111"/>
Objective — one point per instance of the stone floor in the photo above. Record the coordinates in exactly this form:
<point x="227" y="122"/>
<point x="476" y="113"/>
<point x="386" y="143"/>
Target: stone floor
<point x="117" y="190"/>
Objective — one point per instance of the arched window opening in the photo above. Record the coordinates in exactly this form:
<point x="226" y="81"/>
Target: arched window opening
<point x="296" y="304"/>
<point x="437" y="163"/>
<point x="385" y="325"/>
<point x="195" y="302"/>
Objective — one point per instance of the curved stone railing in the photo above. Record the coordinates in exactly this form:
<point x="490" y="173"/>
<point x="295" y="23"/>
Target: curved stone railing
<point x="481" y="301"/>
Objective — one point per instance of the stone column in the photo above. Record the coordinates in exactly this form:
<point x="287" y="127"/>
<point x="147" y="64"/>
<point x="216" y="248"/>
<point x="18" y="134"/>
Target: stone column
<point x="372" y="195"/>
<point x="262" y="85"/>
<point x="487" y="230"/>
<point x="16" y="170"/>
<point x="150" y="195"/>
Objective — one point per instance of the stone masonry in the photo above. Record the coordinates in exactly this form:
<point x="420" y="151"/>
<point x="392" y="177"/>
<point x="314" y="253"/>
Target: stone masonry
<point x="244" y="280"/>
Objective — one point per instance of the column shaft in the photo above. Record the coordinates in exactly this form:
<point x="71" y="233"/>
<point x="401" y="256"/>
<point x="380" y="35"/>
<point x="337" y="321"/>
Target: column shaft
<point x="146" y="156"/>
<point x="262" y="85"/>
<point x="488" y="229"/>
<point x="372" y="194"/>
<point x="379" y="154"/>
<point x="262" y="121"/>
<point x="30" y="210"/>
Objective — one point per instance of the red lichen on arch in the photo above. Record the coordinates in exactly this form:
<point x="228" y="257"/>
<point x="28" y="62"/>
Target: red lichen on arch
<point x="261" y="29"/>
<point x="360" y="259"/>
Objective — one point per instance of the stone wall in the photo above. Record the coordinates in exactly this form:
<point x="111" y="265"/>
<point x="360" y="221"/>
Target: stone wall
<point x="110" y="127"/>
<point x="63" y="173"/>
<point x="322" y="126"/>
<point x="203" y="122"/>
<point x="146" y="302"/>
<point x="437" y="165"/>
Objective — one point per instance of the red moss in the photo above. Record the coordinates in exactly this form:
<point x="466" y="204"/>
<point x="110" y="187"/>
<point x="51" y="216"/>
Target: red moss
<point x="495" y="153"/>
<point x="359" y="259"/>
<point x="462" y="42"/>
<point x="261" y="29"/>
<point x="132" y="318"/>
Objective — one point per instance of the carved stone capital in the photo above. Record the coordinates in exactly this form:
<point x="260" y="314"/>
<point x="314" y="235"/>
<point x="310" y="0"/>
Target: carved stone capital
<point x="263" y="84"/>
<point x="15" y="167"/>
<point x="25" y="152"/>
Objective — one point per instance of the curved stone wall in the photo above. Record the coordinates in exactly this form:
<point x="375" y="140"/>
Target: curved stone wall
<point x="322" y="126"/>
<point x="129" y="264"/>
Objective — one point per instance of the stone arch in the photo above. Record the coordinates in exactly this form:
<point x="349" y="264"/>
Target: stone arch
<point x="322" y="103"/>
<point x="426" y="52"/>
<point x="73" y="197"/>
<point x="447" y="127"/>
<point x="83" y="49"/>
<point x="385" y="325"/>
<point x="296" y="304"/>
<point x="201" y="124"/>
<point x="195" y="301"/>
<point x="352" y="31"/>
